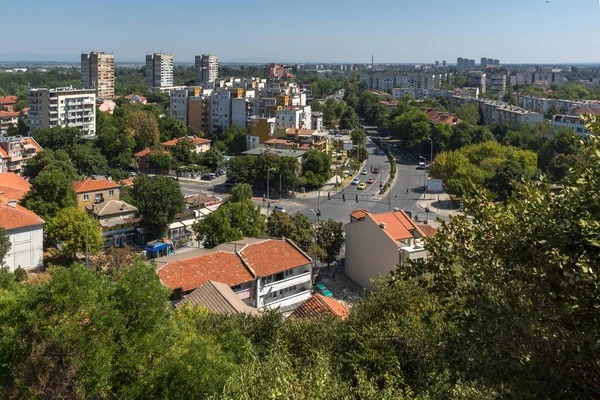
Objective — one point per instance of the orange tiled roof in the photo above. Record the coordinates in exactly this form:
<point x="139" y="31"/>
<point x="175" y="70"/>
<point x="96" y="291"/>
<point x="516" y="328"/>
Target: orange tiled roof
<point x="9" y="114"/>
<point x="127" y="182"/>
<point x="306" y="132"/>
<point x="17" y="217"/>
<point x="437" y="117"/>
<point x="190" y="273"/>
<point x="397" y="224"/>
<point x="143" y="153"/>
<point x="7" y="100"/>
<point x="318" y="306"/>
<point x="428" y="230"/>
<point x="3" y="154"/>
<point x="31" y="141"/>
<point x="92" y="185"/>
<point x="197" y="141"/>
<point x="12" y="186"/>
<point x="273" y="256"/>
<point x="584" y="110"/>
<point x="359" y="214"/>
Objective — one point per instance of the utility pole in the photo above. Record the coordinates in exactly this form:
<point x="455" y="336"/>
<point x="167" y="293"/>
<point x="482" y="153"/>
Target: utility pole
<point x="268" y="197"/>
<point x="87" y="260"/>
<point x="280" y="186"/>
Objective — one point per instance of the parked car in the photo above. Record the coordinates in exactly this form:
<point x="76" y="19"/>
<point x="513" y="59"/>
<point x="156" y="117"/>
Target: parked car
<point x="371" y="180"/>
<point x="375" y="170"/>
<point x="362" y="186"/>
<point x="279" y="209"/>
<point x="132" y="174"/>
<point x="364" y="172"/>
<point x="323" y="290"/>
<point x="421" y="165"/>
<point x="208" y="177"/>
<point x="355" y="181"/>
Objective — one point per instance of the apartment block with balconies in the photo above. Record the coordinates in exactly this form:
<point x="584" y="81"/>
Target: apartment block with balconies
<point x="159" y="70"/>
<point x="66" y="107"/>
<point x="98" y="72"/>
<point x="15" y="151"/>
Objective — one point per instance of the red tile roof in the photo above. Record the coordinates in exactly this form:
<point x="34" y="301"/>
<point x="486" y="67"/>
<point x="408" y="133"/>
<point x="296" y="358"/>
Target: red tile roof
<point x="143" y="153"/>
<point x="3" y="154"/>
<point x="17" y="217"/>
<point x="197" y="141"/>
<point x="92" y="185"/>
<point x="273" y="256"/>
<point x="428" y="230"/>
<point x="359" y="214"/>
<point x="7" y="100"/>
<point x="12" y="186"/>
<point x="9" y="114"/>
<point x="31" y="141"/>
<point x="190" y="273"/>
<point x="127" y="182"/>
<point x="319" y="306"/>
<point x="584" y="110"/>
<point x="438" y="117"/>
<point x="306" y="132"/>
<point x="398" y="225"/>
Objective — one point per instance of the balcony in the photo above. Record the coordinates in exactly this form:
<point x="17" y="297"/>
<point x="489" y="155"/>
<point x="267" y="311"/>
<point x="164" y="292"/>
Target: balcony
<point x="289" y="300"/>
<point x="245" y="293"/>
<point x="303" y="278"/>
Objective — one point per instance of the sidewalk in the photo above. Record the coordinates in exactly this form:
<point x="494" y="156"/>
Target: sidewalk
<point x="439" y="204"/>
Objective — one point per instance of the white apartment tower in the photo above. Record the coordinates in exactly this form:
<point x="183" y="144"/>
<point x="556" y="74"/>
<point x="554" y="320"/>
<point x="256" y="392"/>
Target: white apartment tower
<point x="207" y="68"/>
<point x="159" y="70"/>
<point x="98" y="72"/>
<point x="66" y="107"/>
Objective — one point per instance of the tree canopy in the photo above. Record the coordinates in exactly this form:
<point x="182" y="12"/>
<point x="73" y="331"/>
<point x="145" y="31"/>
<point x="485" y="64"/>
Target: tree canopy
<point x="71" y="228"/>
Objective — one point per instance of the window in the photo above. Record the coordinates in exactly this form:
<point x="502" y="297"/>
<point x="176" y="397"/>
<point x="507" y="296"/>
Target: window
<point x="86" y="197"/>
<point x="98" y="196"/>
<point x="111" y="193"/>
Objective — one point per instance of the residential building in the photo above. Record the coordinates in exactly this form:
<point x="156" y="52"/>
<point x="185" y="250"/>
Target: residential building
<point x="217" y="298"/>
<point x="478" y="80"/>
<point x="66" y="107"/>
<point x="200" y="145"/>
<point x="319" y="306"/>
<point x="95" y="191"/>
<point x="274" y="70"/>
<point x="159" y="70"/>
<point x="220" y="111"/>
<point x="8" y="119"/>
<point x="317" y="121"/>
<point x="136" y="99"/>
<point x="483" y="62"/>
<point x="207" y="68"/>
<point x="444" y="64"/>
<point x="518" y="79"/>
<point x="107" y="106"/>
<point x="8" y="102"/>
<point x="240" y="108"/>
<point x="117" y="219"/>
<point x="376" y="243"/>
<point x="383" y="81"/>
<point x="260" y="129"/>
<point x="179" y="105"/>
<point x="98" y="72"/>
<point x="25" y="232"/>
<point x="503" y="113"/>
<point x="199" y="114"/>
<point x="302" y="139"/>
<point x="545" y="105"/>
<point x="497" y="83"/>
<point x="263" y="273"/>
<point x="574" y="120"/>
<point x="296" y="117"/>
<point x="15" y="151"/>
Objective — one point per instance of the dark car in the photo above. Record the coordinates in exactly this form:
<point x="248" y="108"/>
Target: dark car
<point x="375" y="170"/>
<point x="208" y="177"/>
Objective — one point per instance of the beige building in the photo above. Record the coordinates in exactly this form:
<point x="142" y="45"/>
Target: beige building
<point x="66" y="107"/>
<point x="376" y="243"/>
<point x="95" y="191"/>
<point x="159" y="70"/>
<point x="98" y="72"/>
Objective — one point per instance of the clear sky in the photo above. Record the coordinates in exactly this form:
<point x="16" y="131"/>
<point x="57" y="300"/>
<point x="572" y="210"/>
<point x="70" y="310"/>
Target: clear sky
<point x="514" y="31"/>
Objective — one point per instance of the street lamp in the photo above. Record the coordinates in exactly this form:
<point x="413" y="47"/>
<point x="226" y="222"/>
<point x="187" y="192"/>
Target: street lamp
<point x="424" y="172"/>
<point x="316" y="233"/>
<point x="268" y="194"/>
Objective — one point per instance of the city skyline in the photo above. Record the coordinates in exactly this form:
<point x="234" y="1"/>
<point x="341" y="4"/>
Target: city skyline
<point x="407" y="32"/>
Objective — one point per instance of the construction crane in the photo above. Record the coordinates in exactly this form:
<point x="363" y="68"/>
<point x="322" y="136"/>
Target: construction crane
<point x="355" y="74"/>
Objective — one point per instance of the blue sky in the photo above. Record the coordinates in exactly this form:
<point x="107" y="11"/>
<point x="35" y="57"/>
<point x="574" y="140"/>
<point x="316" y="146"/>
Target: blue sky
<point x="513" y="31"/>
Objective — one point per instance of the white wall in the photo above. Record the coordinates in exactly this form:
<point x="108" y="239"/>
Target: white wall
<point x="26" y="247"/>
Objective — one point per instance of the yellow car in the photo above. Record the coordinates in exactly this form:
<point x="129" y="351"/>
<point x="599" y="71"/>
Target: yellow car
<point x="362" y="186"/>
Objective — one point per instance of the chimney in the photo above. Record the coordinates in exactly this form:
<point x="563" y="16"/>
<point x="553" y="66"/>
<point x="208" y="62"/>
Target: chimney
<point x="382" y="225"/>
<point x="12" y="203"/>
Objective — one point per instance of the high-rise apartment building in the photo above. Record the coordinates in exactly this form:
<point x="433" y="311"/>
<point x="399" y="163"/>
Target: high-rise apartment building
<point x="207" y="68"/>
<point x="98" y="72"/>
<point x="66" y="107"/>
<point x="478" y="80"/>
<point x="159" y="70"/>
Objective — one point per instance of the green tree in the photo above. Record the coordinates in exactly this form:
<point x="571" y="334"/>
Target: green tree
<point x="158" y="199"/>
<point x="71" y="228"/>
<point x="469" y="113"/>
<point x="507" y="175"/>
<point x="316" y="168"/>
<point x="20" y="130"/>
<point x="57" y="137"/>
<point x="171" y="128"/>
<point x="349" y="119"/>
<point x="5" y="246"/>
<point x="232" y="141"/>
<point x="160" y="161"/>
<point x="330" y="238"/>
<point x="51" y="191"/>
<point x="184" y="151"/>
<point x="142" y="126"/>
<point x="297" y="228"/>
<point x="48" y="159"/>
<point x="213" y="158"/>
<point x="88" y="160"/>
<point x="359" y="137"/>
<point x="241" y="192"/>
